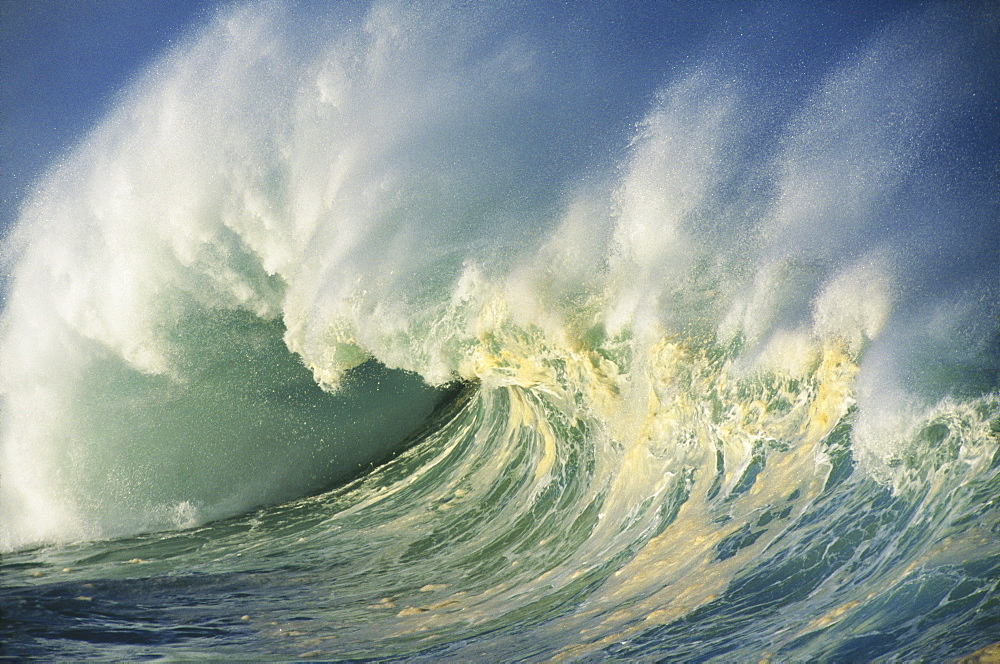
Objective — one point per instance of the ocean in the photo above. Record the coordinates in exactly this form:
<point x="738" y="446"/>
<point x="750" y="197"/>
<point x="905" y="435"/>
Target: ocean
<point x="514" y="331"/>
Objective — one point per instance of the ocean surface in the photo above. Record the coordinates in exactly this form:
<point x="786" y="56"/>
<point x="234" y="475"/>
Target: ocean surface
<point x="515" y="331"/>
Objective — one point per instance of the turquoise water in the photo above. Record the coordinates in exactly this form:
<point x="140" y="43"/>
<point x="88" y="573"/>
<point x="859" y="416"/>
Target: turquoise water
<point x="515" y="333"/>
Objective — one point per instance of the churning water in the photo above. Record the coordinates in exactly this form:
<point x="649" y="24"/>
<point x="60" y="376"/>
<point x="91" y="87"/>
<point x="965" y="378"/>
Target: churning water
<point x="516" y="331"/>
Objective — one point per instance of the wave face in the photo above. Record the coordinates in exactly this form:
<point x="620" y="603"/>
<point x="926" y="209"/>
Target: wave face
<point x="495" y="331"/>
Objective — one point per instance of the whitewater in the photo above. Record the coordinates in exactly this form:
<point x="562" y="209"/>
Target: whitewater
<point x="514" y="331"/>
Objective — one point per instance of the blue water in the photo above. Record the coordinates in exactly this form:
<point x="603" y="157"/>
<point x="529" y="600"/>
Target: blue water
<point x="402" y="331"/>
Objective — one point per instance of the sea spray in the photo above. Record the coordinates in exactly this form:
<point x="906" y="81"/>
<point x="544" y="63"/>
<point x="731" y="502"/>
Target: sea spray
<point x="663" y="365"/>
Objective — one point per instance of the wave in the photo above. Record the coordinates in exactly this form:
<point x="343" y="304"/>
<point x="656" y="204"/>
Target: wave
<point x="659" y="352"/>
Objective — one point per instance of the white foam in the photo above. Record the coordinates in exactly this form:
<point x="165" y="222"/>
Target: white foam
<point x="390" y="190"/>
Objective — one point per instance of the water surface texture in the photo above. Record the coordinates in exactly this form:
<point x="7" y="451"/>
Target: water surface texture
<point x="515" y="331"/>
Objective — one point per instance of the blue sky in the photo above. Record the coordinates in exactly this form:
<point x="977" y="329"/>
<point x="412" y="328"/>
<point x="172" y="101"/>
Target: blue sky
<point x="61" y="64"/>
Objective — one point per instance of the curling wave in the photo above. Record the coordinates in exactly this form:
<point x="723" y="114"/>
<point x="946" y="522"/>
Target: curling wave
<point x="728" y="353"/>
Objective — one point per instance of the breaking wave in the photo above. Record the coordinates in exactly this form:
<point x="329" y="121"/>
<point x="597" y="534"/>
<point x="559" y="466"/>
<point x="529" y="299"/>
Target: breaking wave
<point x="534" y="340"/>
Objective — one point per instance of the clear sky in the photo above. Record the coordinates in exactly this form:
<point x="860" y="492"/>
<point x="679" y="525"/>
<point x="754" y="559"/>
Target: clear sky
<point x="61" y="64"/>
